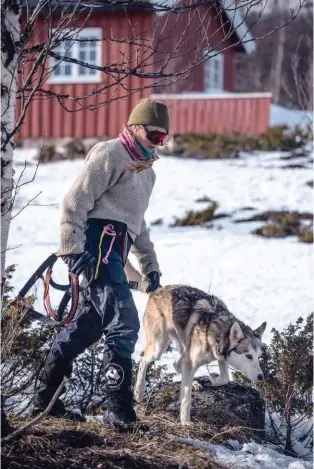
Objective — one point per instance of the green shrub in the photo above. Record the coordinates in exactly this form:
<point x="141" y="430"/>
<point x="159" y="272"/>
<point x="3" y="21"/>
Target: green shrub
<point x="288" y="367"/>
<point x="23" y="348"/>
<point x="228" y="145"/>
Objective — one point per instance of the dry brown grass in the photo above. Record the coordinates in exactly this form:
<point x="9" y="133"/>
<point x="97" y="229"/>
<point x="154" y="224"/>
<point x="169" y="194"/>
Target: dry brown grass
<point x="56" y="443"/>
<point x="195" y="218"/>
<point x="282" y="223"/>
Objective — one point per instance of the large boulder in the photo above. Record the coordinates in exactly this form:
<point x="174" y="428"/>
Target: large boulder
<point x="232" y="405"/>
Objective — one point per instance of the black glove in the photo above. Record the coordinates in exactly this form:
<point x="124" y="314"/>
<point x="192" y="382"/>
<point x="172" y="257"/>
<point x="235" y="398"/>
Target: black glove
<point x="153" y="281"/>
<point x="78" y="262"/>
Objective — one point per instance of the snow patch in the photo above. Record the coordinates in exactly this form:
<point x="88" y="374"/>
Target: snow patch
<point x="290" y="117"/>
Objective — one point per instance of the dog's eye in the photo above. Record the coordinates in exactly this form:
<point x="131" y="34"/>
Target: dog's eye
<point x="249" y="356"/>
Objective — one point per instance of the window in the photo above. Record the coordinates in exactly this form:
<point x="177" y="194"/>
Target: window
<point x="214" y="73"/>
<point x="85" y="46"/>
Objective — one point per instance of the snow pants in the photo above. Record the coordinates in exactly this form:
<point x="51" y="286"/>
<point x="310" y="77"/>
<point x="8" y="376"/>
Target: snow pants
<point x="106" y="307"/>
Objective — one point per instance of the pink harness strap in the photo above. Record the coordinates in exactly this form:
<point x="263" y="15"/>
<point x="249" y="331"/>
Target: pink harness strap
<point x="109" y="230"/>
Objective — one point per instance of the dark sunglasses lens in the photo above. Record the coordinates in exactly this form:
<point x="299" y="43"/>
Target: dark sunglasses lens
<point x="157" y="138"/>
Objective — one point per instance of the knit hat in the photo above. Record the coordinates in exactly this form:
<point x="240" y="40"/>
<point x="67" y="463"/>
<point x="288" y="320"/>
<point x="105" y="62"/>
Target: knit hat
<point x="149" y="112"/>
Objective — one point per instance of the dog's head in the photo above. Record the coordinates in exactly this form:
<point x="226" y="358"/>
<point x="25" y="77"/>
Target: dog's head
<point x="246" y="349"/>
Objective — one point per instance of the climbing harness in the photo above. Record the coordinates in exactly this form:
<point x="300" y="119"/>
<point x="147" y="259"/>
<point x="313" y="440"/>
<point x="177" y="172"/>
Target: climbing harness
<point x="64" y="313"/>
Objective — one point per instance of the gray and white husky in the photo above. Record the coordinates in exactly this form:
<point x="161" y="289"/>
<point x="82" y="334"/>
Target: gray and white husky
<point x="204" y="330"/>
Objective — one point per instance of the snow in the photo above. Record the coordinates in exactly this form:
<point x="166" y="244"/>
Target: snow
<point x="214" y="93"/>
<point x="302" y="432"/>
<point x="291" y="117"/>
<point x="251" y="455"/>
<point x="259" y="279"/>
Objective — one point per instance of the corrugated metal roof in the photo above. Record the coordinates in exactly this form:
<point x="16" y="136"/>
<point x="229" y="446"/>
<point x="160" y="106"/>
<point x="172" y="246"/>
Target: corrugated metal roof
<point x="97" y="5"/>
<point x="233" y="11"/>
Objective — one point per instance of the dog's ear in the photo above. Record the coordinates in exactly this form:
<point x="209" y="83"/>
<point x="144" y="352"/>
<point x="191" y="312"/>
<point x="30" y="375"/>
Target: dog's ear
<point x="260" y="330"/>
<point x="236" y="334"/>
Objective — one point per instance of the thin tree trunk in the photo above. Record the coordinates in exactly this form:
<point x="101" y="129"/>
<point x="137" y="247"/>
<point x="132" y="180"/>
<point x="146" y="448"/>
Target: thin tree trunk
<point x="310" y="83"/>
<point x="10" y="37"/>
<point x="275" y="78"/>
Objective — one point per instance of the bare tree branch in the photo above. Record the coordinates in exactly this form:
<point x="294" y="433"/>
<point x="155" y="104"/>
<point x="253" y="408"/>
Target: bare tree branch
<point x="153" y="65"/>
<point x="37" y="419"/>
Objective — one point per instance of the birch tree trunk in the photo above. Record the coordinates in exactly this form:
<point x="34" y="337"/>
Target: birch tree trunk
<point x="275" y="76"/>
<point x="277" y="65"/>
<point x="10" y="39"/>
<point x="310" y="83"/>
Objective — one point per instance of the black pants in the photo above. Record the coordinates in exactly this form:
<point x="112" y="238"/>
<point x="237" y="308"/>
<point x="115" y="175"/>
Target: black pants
<point x="106" y="307"/>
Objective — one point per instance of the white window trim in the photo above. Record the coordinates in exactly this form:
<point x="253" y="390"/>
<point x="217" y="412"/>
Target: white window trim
<point x="76" y="79"/>
<point x="219" y="57"/>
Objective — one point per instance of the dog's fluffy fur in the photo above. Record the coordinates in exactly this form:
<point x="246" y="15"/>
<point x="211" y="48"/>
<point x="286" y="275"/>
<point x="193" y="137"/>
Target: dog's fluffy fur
<point x="204" y="331"/>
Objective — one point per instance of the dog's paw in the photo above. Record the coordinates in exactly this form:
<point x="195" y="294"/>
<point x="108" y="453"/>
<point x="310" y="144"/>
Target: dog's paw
<point x="217" y="380"/>
<point x="196" y="386"/>
<point x="187" y="423"/>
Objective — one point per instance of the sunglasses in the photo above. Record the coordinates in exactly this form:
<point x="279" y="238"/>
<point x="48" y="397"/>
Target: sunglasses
<point x="156" y="137"/>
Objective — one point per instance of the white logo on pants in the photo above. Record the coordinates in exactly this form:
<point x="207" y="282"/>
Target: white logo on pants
<point x="114" y="375"/>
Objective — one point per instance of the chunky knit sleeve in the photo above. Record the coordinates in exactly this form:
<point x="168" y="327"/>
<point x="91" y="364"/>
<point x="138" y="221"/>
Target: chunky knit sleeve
<point x="144" y="250"/>
<point x="101" y="170"/>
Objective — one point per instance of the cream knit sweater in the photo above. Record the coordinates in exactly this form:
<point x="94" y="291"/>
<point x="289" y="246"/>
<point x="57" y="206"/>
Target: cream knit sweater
<point x="107" y="188"/>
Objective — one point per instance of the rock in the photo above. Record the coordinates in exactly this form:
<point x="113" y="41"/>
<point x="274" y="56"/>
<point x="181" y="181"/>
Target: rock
<point x="65" y="149"/>
<point x="271" y="230"/>
<point x="157" y="222"/>
<point x="49" y="153"/>
<point x="203" y="199"/>
<point x="277" y="216"/>
<point x="89" y="143"/>
<point x="231" y="405"/>
<point x="171" y="148"/>
<point x="306" y="235"/>
<point x="295" y="166"/>
<point x="74" y="149"/>
<point x="309" y="183"/>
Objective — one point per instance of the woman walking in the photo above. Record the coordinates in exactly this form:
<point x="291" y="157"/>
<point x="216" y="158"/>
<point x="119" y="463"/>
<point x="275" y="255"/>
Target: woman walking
<point x="102" y="218"/>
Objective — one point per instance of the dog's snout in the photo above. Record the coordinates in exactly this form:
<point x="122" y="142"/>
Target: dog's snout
<point x="260" y="377"/>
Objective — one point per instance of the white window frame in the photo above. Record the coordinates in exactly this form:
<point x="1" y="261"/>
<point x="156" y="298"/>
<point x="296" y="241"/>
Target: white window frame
<point x="75" y="78"/>
<point x="211" y="66"/>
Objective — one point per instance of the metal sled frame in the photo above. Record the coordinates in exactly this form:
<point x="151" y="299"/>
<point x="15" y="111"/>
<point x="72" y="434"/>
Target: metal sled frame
<point x="54" y="317"/>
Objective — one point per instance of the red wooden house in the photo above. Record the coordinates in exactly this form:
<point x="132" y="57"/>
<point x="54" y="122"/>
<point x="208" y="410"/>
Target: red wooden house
<point x="46" y="118"/>
<point x="208" y="31"/>
<point x="203" y="99"/>
<point x="208" y="110"/>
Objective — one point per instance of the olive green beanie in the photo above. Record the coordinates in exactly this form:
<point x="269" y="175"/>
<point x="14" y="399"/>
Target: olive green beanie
<point x="149" y="112"/>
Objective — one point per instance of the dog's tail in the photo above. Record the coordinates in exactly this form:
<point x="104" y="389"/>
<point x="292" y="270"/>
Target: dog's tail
<point x="135" y="279"/>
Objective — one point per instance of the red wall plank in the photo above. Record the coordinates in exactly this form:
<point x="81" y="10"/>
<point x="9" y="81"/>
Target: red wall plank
<point x="245" y="113"/>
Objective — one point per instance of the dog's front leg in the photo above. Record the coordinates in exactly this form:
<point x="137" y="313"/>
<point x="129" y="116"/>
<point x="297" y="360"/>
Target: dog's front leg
<point x="140" y="380"/>
<point x="223" y="377"/>
<point x="186" y="392"/>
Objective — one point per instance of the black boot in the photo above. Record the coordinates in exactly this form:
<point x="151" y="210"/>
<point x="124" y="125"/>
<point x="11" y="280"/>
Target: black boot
<point x="53" y="374"/>
<point x="119" y="412"/>
<point x="58" y="410"/>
